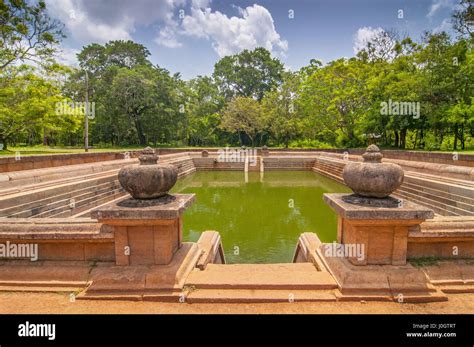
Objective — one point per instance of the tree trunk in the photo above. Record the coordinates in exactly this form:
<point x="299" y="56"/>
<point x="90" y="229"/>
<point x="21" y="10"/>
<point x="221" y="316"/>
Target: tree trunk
<point x="138" y="126"/>
<point x="422" y="139"/>
<point x="403" y="136"/>
<point x="397" y="139"/>
<point x="455" y="145"/>
<point x="4" y="142"/>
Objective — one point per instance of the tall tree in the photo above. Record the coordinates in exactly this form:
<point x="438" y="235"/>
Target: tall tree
<point x="243" y="115"/>
<point x="248" y="74"/>
<point x="132" y="95"/>
<point x="281" y="110"/>
<point x="463" y="19"/>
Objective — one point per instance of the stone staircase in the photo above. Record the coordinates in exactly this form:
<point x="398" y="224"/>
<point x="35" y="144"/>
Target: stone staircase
<point x="291" y="282"/>
<point x="59" y="199"/>
<point x="288" y="163"/>
<point x="446" y="196"/>
<point x="70" y="196"/>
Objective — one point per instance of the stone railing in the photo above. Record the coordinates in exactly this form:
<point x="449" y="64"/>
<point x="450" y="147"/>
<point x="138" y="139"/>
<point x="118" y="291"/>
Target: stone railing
<point x="442" y="237"/>
<point x="61" y="239"/>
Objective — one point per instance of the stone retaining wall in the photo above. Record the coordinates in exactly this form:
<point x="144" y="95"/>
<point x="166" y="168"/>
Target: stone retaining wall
<point x="84" y="239"/>
<point x="442" y="237"/>
<point x="9" y="164"/>
<point x="449" y="158"/>
<point x="25" y="162"/>
<point x="61" y="239"/>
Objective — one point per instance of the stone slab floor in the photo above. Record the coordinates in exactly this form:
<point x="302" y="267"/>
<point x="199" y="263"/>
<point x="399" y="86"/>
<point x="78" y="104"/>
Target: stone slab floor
<point x="59" y="303"/>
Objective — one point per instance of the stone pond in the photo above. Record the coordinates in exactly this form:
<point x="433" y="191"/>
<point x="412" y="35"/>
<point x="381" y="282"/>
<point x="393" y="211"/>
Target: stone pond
<point x="259" y="221"/>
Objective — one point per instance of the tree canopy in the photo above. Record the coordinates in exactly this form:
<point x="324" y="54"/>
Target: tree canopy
<point x="403" y="93"/>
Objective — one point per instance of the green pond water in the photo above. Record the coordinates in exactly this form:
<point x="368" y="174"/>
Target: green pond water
<point x="259" y="220"/>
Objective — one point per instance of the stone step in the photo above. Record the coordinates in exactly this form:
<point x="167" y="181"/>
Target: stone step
<point x="425" y="201"/>
<point x="468" y="202"/>
<point x="86" y="213"/>
<point x="42" y="286"/>
<point x="457" y="289"/>
<point x="328" y="174"/>
<point x="444" y="180"/>
<point x="436" y="209"/>
<point x="89" y="203"/>
<point x="463" y="207"/>
<point x="64" y="204"/>
<point x="449" y="186"/>
<point x="52" y="183"/>
<point x="39" y="206"/>
<point x="54" y="191"/>
<point x="104" y="200"/>
<point x="292" y="276"/>
<point x="258" y="296"/>
<point x="81" y="204"/>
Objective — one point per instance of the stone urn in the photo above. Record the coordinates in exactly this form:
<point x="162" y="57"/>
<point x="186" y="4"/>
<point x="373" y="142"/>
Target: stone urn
<point x="148" y="180"/>
<point x="372" y="178"/>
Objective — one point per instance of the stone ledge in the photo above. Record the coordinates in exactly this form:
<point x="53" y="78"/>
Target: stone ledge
<point x="408" y="211"/>
<point x="56" y="229"/>
<point x="116" y="212"/>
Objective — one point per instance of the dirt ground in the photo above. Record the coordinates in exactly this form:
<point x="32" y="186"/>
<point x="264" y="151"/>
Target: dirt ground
<point x="50" y="303"/>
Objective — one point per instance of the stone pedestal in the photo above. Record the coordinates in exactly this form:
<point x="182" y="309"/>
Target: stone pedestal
<point x="147" y="232"/>
<point x="382" y="232"/>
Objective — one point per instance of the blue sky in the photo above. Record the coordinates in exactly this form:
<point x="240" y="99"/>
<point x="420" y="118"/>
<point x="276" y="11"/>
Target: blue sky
<point x="189" y="36"/>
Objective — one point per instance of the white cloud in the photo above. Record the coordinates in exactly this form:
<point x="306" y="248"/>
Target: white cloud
<point x="167" y="37"/>
<point x="228" y="35"/>
<point x="444" y="26"/>
<point x="437" y="5"/>
<point x="104" y="20"/>
<point x="365" y="35"/>
<point x="200" y="3"/>
<point x="68" y="56"/>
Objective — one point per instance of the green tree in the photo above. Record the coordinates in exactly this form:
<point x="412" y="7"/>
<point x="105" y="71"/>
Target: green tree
<point x="204" y="105"/>
<point x="335" y="98"/>
<point x="27" y="33"/>
<point x="132" y="95"/>
<point x="243" y="115"/>
<point x="248" y="74"/>
<point x="281" y="110"/>
<point x="462" y="19"/>
<point x="28" y="105"/>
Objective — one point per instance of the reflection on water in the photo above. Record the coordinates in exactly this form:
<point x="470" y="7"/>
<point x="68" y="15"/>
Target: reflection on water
<point x="259" y="221"/>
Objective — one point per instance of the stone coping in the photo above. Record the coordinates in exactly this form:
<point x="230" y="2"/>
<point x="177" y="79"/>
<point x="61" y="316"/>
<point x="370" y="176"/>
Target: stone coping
<point x="408" y="211"/>
<point x="54" y="229"/>
<point x="120" y="210"/>
<point x="442" y="227"/>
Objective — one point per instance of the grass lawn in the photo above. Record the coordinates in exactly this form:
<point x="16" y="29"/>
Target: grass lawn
<point x="48" y="150"/>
